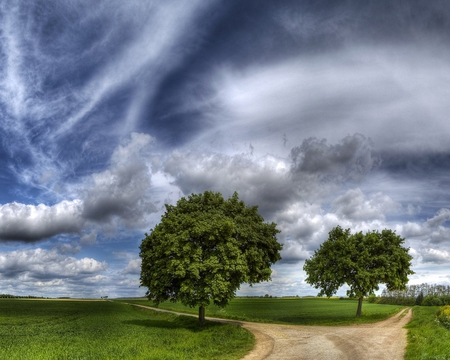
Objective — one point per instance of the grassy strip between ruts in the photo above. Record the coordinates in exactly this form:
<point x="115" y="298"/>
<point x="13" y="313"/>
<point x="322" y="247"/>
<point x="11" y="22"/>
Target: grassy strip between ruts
<point x="427" y="339"/>
<point x="303" y="311"/>
<point x="51" y="329"/>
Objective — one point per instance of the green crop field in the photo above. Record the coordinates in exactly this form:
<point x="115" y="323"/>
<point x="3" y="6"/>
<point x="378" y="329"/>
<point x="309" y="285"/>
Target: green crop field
<point x="55" y="329"/>
<point x="299" y="311"/>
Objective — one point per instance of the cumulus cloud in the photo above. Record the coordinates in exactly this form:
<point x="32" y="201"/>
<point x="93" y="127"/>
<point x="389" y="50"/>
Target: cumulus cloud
<point x="133" y="267"/>
<point x="431" y="231"/>
<point x="435" y="256"/>
<point x="293" y="252"/>
<point x="350" y="159"/>
<point x="442" y="216"/>
<point x="40" y="264"/>
<point x="31" y="223"/>
<point x="69" y="248"/>
<point x="89" y="239"/>
<point x="122" y="191"/>
<point x="264" y="182"/>
<point x="354" y="205"/>
<point x="272" y="182"/>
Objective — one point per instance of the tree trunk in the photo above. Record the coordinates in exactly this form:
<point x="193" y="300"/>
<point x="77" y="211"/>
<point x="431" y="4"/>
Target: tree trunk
<point x="358" y="312"/>
<point x="201" y="315"/>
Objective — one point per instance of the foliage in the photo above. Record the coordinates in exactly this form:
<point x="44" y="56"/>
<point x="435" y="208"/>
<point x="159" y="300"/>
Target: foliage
<point x="295" y="311"/>
<point x="360" y="261"/>
<point x="431" y="300"/>
<point x="443" y="315"/>
<point x="423" y="294"/>
<point x="414" y="291"/>
<point x="52" y="329"/>
<point x="405" y="301"/>
<point x="204" y="248"/>
<point x="419" y="299"/>
<point x="427" y="339"/>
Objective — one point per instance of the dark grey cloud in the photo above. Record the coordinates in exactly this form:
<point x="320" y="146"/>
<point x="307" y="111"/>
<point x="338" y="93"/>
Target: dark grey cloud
<point x="351" y="159"/>
<point x="263" y="182"/>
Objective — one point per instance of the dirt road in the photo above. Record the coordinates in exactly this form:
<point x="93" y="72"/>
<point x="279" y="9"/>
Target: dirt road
<point x="385" y="340"/>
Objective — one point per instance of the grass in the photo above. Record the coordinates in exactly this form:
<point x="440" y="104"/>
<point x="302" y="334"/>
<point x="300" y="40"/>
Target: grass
<point x="427" y="339"/>
<point x="50" y="329"/>
<point x="303" y="311"/>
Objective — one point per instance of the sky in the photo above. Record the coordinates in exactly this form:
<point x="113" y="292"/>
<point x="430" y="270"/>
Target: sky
<point x="322" y="113"/>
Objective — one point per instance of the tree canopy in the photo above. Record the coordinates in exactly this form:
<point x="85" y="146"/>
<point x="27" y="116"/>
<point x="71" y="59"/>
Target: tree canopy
<point x="204" y="248"/>
<point x="362" y="261"/>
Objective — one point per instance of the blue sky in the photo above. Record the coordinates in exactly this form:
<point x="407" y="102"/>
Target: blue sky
<point x="322" y="113"/>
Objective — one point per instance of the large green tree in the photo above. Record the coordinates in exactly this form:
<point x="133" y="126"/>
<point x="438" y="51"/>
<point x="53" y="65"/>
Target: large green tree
<point x="362" y="261"/>
<point x="204" y="248"/>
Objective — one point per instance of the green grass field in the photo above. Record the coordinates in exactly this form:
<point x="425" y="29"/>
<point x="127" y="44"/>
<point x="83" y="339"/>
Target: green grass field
<point x="427" y="339"/>
<point x="303" y="311"/>
<point x="54" y="329"/>
<point x="50" y="329"/>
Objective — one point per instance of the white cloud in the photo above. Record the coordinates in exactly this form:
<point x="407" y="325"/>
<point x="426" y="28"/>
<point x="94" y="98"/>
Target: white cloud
<point x="431" y="231"/>
<point x="354" y="205"/>
<point x="435" y="256"/>
<point x="32" y="223"/>
<point x="43" y="265"/>
<point x="121" y="192"/>
<point x="356" y="90"/>
<point x="133" y="267"/>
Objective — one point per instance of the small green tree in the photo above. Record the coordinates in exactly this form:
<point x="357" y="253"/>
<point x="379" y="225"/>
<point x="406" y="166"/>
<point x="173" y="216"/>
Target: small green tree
<point x="419" y="299"/>
<point x="360" y="261"/>
<point x="204" y="248"/>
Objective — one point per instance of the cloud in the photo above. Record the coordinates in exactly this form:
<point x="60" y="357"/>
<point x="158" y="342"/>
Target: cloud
<point x="121" y="192"/>
<point x="293" y="252"/>
<point x="350" y="159"/>
<point x="31" y="223"/>
<point x="435" y="256"/>
<point x="354" y="205"/>
<point x="69" y="248"/>
<point x="431" y="231"/>
<point x="264" y="182"/>
<point x="133" y="267"/>
<point x="354" y="89"/>
<point x="43" y="265"/>
<point x="89" y="239"/>
<point x="442" y="216"/>
<point x="273" y="182"/>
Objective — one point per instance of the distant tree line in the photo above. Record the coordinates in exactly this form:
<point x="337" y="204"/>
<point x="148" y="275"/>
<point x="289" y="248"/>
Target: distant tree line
<point x="9" y="296"/>
<point x="423" y="294"/>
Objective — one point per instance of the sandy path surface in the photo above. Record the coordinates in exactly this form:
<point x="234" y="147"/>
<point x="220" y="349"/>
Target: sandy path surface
<point x="385" y="340"/>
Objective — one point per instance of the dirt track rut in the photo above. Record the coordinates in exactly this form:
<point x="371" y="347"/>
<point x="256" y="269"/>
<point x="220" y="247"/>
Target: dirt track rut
<point x="385" y="340"/>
